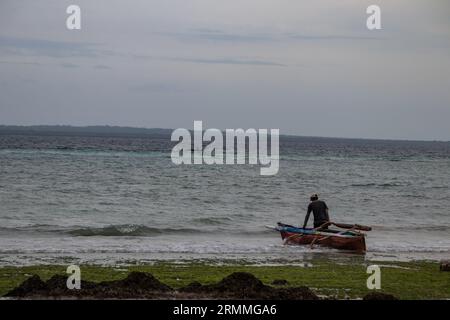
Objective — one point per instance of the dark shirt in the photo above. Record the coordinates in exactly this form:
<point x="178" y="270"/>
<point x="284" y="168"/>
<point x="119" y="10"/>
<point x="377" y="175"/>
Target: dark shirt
<point x="319" y="209"/>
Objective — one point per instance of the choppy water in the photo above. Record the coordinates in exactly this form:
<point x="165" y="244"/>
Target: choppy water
<point x="120" y="199"/>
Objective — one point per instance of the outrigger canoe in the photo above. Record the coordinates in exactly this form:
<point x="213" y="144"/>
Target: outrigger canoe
<point x="349" y="239"/>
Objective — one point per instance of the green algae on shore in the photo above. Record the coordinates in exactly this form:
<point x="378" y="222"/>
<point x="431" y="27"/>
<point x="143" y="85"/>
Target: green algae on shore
<point x="405" y="280"/>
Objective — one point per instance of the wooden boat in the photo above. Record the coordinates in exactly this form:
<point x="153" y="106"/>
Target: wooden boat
<point x="349" y="239"/>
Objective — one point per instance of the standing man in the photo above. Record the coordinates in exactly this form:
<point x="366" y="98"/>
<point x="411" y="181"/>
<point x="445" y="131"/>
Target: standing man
<point x="320" y="211"/>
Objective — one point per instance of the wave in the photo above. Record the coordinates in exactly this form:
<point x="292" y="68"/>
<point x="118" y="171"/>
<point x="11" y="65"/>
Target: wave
<point x="131" y="231"/>
<point x="136" y="230"/>
<point x="202" y="226"/>
<point x="253" y="248"/>
<point x="412" y="228"/>
<point x="77" y="151"/>
<point x="112" y="230"/>
<point x="145" y="231"/>
<point x="378" y="185"/>
<point x="362" y="185"/>
<point x="212" y="220"/>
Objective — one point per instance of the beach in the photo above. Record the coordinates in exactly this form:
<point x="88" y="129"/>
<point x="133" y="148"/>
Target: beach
<point x="325" y="279"/>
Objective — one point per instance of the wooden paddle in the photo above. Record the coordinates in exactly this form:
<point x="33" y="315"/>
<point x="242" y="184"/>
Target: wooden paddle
<point x="352" y="226"/>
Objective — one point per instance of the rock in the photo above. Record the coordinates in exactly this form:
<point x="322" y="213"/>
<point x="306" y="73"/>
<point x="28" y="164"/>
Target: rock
<point x="57" y="286"/>
<point x="379" y="296"/>
<point x="296" y="293"/>
<point x="139" y="285"/>
<point x="135" y="285"/>
<point x="34" y="284"/>
<point x="192" y="287"/>
<point x="139" y="281"/>
<point x="243" y="285"/>
<point x="445" y="266"/>
<point x="280" y="282"/>
<point x="240" y="281"/>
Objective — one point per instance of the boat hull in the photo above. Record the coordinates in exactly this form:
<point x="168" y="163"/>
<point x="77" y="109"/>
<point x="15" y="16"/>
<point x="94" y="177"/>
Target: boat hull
<point x="355" y="244"/>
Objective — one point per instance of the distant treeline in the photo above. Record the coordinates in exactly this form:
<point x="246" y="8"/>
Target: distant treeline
<point x="61" y="130"/>
<point x="87" y="130"/>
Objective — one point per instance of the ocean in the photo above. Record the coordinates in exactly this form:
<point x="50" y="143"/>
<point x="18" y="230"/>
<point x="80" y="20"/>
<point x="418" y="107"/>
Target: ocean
<point x="112" y="199"/>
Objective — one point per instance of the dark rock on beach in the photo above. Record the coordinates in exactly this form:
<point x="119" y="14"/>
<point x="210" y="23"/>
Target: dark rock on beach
<point x="445" y="266"/>
<point x="138" y="281"/>
<point x="280" y="282"/>
<point x="135" y="285"/>
<point x="239" y="282"/>
<point x="242" y="285"/>
<point x="139" y="285"/>
<point x="34" y="284"/>
<point x="379" y="296"/>
<point x="193" y="287"/>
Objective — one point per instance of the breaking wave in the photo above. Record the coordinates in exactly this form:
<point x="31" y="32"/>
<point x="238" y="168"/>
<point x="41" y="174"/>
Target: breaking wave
<point x="130" y="231"/>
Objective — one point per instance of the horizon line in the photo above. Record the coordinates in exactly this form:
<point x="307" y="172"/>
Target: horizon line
<point x="161" y="128"/>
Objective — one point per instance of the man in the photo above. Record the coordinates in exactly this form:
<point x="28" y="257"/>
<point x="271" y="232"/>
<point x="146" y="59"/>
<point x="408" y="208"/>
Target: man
<point x="320" y="211"/>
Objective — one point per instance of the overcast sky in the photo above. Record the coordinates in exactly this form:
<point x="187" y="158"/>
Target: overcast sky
<point x="305" y="67"/>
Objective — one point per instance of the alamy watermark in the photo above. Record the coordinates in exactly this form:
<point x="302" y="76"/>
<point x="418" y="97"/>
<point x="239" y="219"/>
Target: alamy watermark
<point x="190" y="150"/>
<point x="374" y="280"/>
<point x="74" y="280"/>
<point x="373" y="22"/>
<point x="73" y="21"/>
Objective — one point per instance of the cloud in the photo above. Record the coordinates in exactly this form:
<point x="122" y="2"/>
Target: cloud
<point x="28" y="63"/>
<point x="229" y="61"/>
<point x="154" y="87"/>
<point x="324" y="37"/>
<point x="63" y="65"/>
<point x="217" y="35"/>
<point x="69" y="65"/>
<point x="223" y="36"/>
<point x="49" y="48"/>
<point x="102" y="67"/>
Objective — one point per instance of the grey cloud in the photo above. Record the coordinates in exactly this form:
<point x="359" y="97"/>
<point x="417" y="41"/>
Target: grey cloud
<point x="63" y="65"/>
<point x="229" y="61"/>
<point x="217" y="35"/>
<point x="31" y="63"/>
<point x="102" y="67"/>
<point x="154" y="87"/>
<point x="69" y="65"/>
<point x="43" y="47"/>
<point x="223" y="36"/>
<point x="330" y="37"/>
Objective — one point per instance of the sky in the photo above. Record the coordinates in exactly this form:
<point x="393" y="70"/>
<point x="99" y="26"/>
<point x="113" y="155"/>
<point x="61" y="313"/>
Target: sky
<point x="305" y="67"/>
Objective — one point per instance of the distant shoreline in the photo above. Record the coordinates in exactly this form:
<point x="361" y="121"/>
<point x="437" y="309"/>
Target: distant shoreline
<point x="106" y="130"/>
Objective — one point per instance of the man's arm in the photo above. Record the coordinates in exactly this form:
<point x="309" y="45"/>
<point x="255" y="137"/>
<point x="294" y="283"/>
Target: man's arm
<point x="326" y="211"/>
<point x="307" y="216"/>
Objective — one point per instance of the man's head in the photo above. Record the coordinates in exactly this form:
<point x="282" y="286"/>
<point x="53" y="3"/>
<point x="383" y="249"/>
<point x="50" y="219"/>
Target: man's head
<point x="314" y="197"/>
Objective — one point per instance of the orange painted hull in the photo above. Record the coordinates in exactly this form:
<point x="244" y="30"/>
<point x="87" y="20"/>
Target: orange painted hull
<point x="356" y="244"/>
